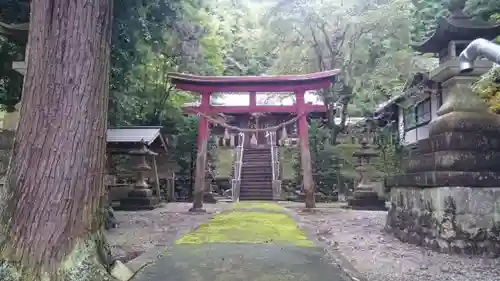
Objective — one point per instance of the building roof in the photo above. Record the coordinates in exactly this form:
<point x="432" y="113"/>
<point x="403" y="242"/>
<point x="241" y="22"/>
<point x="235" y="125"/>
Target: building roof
<point x="416" y="79"/>
<point x="382" y="106"/>
<point x="134" y="134"/>
<point x="16" y="32"/>
<point x="458" y="27"/>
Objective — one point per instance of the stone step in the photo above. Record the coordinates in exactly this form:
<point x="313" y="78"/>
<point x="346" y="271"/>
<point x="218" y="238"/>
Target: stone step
<point x="260" y="153"/>
<point x="256" y="198"/>
<point x="256" y="177"/>
<point x="253" y="165"/>
<point x="257" y="158"/>
<point x="257" y="162"/>
<point x="261" y="187"/>
<point x="256" y="193"/>
<point x="260" y="159"/>
<point x="246" y="189"/>
<point x="256" y="186"/>
<point x="256" y="174"/>
<point x="253" y="149"/>
<point x="261" y="168"/>
<point x="264" y="176"/>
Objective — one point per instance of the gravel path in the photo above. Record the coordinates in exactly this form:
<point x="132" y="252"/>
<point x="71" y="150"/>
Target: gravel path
<point x="140" y="231"/>
<point x="359" y="237"/>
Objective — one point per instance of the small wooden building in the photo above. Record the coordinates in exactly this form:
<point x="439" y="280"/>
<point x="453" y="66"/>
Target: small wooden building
<point x="145" y="144"/>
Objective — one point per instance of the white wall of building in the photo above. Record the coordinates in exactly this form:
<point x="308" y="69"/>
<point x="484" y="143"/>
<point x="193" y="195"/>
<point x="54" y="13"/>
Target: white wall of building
<point x="420" y="132"/>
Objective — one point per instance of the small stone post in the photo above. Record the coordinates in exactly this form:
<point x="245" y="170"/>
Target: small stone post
<point x="232" y="141"/>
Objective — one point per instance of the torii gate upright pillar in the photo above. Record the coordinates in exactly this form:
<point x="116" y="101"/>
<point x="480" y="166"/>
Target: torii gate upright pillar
<point x="201" y="155"/>
<point x="305" y="154"/>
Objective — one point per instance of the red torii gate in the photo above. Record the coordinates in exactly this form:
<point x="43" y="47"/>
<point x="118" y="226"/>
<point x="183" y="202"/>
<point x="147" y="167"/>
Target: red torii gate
<point x="298" y="84"/>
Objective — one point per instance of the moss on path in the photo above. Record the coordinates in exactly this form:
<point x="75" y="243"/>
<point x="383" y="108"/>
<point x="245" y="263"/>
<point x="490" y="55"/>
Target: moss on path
<point x="249" y="222"/>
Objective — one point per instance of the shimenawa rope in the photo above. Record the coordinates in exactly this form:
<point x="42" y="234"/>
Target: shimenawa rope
<point x="268" y="129"/>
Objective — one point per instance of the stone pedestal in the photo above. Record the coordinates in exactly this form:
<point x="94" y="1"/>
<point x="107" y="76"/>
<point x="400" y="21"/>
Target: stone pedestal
<point x="209" y="195"/>
<point x="139" y="199"/>
<point x="367" y="199"/>
<point x="448" y="198"/>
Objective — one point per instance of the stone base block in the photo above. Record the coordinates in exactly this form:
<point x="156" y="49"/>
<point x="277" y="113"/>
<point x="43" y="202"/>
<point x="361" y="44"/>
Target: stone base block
<point x="444" y="178"/>
<point x="209" y="197"/>
<point x="366" y="201"/>
<point x="461" y="220"/>
<point x="140" y="193"/>
<point x="138" y="203"/>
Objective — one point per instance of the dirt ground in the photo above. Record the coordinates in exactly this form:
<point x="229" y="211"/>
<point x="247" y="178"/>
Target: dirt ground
<point x="359" y="237"/>
<point x="140" y="231"/>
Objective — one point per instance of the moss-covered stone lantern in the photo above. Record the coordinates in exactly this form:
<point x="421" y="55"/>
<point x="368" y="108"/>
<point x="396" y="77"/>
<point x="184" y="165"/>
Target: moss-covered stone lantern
<point x="365" y="195"/>
<point x="446" y="198"/>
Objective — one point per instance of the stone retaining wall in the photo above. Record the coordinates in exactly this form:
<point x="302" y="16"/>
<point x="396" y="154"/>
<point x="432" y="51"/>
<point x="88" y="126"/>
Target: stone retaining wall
<point x="459" y="220"/>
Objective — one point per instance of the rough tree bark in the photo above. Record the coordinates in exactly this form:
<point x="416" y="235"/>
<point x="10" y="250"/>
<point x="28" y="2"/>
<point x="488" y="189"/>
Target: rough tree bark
<point x="51" y="221"/>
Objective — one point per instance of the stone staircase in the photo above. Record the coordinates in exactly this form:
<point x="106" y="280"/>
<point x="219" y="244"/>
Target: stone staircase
<point x="256" y="174"/>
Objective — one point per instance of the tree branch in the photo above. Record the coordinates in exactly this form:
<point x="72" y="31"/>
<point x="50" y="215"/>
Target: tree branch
<point x="317" y="50"/>
<point x="329" y="46"/>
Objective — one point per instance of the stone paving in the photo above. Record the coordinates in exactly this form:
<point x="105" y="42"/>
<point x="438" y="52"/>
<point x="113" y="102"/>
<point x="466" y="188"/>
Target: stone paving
<point x="247" y="242"/>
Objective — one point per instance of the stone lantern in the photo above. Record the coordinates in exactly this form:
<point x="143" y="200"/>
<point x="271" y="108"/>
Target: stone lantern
<point x="141" y="196"/>
<point x="365" y="195"/>
<point x="452" y="177"/>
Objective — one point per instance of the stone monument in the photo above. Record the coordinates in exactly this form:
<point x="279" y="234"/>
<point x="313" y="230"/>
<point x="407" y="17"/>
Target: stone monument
<point x="365" y="195"/>
<point x="448" y="198"/>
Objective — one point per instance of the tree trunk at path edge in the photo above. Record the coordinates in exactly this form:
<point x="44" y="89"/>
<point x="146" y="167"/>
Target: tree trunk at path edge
<point x="51" y="226"/>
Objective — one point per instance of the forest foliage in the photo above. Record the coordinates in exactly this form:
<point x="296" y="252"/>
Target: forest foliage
<point x="368" y="40"/>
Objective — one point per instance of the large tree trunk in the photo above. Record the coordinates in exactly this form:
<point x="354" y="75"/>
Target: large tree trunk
<point x="50" y="206"/>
